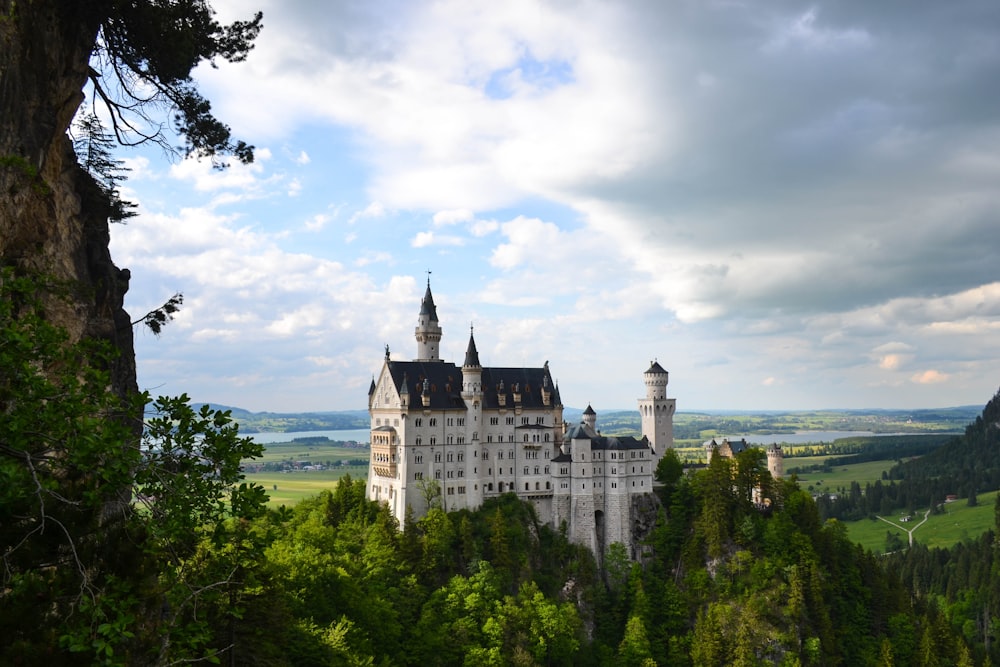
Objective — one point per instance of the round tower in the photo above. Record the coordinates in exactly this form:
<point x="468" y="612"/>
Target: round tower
<point x="428" y="331"/>
<point x="656" y="379"/>
<point x="590" y="417"/>
<point x="657" y="411"/>
<point x="775" y="461"/>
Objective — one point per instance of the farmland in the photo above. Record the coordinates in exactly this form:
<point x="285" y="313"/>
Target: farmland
<point x="956" y="522"/>
<point x="291" y="471"/>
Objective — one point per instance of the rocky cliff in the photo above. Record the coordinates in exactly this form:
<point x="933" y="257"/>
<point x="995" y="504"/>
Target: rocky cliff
<point x="53" y="217"/>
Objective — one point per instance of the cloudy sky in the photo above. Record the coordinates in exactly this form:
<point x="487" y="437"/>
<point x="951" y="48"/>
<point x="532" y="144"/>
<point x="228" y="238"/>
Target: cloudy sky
<point x="789" y="205"/>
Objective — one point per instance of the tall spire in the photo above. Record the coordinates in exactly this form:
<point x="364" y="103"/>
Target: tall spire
<point x="471" y="353"/>
<point x="428" y="331"/>
<point x="427" y="306"/>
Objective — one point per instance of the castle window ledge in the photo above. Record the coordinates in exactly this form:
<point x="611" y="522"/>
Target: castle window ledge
<point x="385" y="471"/>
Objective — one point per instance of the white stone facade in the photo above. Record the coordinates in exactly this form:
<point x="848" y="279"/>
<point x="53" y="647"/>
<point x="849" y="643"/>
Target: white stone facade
<point x="461" y="434"/>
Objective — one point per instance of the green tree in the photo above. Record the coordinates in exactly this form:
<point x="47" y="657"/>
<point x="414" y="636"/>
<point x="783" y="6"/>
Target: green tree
<point x="669" y="469"/>
<point x="86" y="569"/>
<point x="142" y="57"/>
<point x="94" y="148"/>
<point x="715" y="486"/>
<point x="634" y="650"/>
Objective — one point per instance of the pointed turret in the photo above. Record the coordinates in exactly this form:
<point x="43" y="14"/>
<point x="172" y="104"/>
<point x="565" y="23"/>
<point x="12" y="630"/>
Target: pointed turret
<point x="590" y="417"/>
<point x="472" y="371"/>
<point x="471" y="353"/>
<point x="427" y="307"/>
<point x="428" y="331"/>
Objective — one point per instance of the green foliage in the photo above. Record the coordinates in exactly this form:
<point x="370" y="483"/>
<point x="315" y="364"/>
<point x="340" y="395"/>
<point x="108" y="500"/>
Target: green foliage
<point x="142" y="62"/>
<point x="86" y="569"/>
<point x="157" y="318"/>
<point x="27" y="170"/>
<point x="94" y="148"/>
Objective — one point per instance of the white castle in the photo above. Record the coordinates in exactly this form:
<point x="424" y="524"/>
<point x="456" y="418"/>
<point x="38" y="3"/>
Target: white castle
<point x="457" y="435"/>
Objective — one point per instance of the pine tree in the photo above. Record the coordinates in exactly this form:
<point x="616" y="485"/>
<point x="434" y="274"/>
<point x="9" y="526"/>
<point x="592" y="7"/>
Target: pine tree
<point x="94" y="148"/>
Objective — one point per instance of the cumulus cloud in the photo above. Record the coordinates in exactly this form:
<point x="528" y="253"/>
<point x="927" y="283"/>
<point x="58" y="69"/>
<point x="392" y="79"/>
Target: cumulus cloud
<point x="425" y="239"/>
<point x="772" y="184"/>
<point x="929" y="377"/>
<point x="443" y="218"/>
<point x="373" y="210"/>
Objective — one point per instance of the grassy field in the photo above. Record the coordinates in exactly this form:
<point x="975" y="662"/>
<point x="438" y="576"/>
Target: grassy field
<point x="301" y="451"/>
<point x="840" y="476"/>
<point x="957" y="523"/>
<point x="288" y="488"/>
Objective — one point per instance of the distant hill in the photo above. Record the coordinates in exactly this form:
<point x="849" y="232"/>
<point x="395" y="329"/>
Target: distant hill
<point x="284" y="422"/>
<point x="690" y="425"/>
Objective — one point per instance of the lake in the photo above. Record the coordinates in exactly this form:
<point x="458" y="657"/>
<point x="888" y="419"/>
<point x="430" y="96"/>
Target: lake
<point x="362" y="435"/>
<point x="802" y="437"/>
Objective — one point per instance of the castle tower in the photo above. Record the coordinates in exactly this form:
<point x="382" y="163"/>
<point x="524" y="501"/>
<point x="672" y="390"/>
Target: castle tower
<point x="775" y="461"/>
<point x="657" y="411"/>
<point x="428" y="331"/>
<point x="590" y="417"/>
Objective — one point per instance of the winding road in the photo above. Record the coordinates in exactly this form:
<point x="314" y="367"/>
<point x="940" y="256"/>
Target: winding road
<point x="910" y="531"/>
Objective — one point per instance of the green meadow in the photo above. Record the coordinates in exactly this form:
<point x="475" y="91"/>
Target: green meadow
<point x="839" y="476"/>
<point x="957" y="522"/>
<point x="288" y="488"/>
<point x="312" y="451"/>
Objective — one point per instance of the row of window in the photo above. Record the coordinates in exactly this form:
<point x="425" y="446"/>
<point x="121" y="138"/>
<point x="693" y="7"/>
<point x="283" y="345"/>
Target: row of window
<point x="457" y="421"/>
<point x="538" y="470"/>
<point x="450" y="457"/>
<point x="615" y="456"/>
<point x="495" y="421"/>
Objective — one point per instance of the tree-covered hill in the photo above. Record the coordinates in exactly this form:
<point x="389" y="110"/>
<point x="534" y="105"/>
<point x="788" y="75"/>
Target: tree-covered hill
<point x="964" y="466"/>
<point x="285" y="422"/>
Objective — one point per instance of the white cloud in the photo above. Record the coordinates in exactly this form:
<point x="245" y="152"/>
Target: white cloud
<point x="484" y="227"/>
<point x="373" y="258"/>
<point x="205" y="177"/>
<point x="803" y="194"/>
<point x="451" y="217"/>
<point x="317" y="222"/>
<point x="929" y="377"/>
<point x="425" y="239"/>
<point x="373" y="210"/>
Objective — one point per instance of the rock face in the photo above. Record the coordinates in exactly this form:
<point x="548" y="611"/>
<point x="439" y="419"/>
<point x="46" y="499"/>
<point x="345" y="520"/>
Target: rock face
<point x="642" y="514"/>
<point x="53" y="218"/>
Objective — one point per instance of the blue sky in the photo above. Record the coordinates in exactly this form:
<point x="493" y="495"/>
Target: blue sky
<point x="789" y="205"/>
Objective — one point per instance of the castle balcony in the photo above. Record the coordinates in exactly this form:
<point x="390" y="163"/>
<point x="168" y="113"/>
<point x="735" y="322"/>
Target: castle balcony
<point x="384" y="443"/>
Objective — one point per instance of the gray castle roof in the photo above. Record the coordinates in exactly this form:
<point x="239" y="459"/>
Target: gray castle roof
<point x="444" y="385"/>
<point x="597" y="441"/>
<point x="427" y="306"/>
<point x="471" y="353"/>
<point x="736" y="446"/>
<point x="655" y="368"/>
